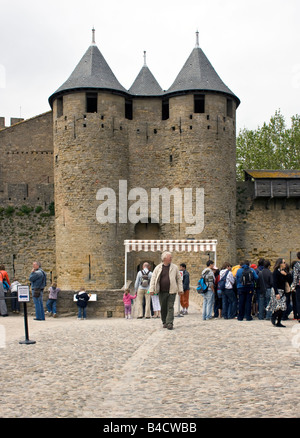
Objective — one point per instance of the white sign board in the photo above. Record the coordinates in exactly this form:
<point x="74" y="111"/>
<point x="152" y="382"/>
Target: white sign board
<point x="93" y="297"/>
<point x="23" y="294"/>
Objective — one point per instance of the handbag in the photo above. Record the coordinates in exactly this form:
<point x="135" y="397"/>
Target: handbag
<point x="281" y="303"/>
<point x="36" y="293"/>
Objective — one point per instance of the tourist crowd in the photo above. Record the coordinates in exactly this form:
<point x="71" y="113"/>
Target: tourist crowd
<point x="243" y="291"/>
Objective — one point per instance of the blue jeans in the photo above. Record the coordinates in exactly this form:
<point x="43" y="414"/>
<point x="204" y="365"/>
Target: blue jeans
<point x="208" y="301"/>
<point x="245" y="302"/>
<point x="51" y="305"/>
<point x="39" y="309"/>
<point x="267" y="299"/>
<point x="229" y="304"/>
<point x="261" y="299"/>
<point x="15" y="305"/>
<point x="82" y="312"/>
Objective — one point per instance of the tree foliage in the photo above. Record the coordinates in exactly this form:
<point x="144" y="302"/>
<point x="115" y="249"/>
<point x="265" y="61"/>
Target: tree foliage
<point x="273" y="146"/>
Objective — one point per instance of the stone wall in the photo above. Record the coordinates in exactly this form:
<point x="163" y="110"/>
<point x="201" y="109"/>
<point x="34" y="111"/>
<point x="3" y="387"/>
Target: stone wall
<point x="90" y="153"/>
<point x="188" y="150"/>
<point x="26" y="175"/>
<point x="109" y="304"/>
<point x="266" y="228"/>
<point x="27" y="236"/>
<point x="96" y="150"/>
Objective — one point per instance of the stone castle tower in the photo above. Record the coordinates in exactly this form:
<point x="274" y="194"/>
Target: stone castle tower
<point x="108" y="137"/>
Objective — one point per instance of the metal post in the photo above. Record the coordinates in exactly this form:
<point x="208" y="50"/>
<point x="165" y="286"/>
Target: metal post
<point x="125" y="273"/>
<point x="27" y="340"/>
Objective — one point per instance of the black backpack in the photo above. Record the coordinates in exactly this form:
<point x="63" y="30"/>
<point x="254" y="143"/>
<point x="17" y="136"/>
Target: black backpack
<point x="247" y="277"/>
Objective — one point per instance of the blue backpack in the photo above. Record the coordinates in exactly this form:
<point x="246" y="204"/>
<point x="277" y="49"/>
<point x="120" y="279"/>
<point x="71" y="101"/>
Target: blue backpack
<point x="202" y="286"/>
<point x="5" y="286"/>
<point x="222" y="282"/>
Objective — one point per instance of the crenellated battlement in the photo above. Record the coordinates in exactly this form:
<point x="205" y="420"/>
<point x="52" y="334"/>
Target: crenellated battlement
<point x="13" y="121"/>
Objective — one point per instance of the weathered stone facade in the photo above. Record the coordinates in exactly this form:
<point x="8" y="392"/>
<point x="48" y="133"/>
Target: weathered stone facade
<point x="266" y="228"/>
<point x="149" y="139"/>
<point x="90" y="152"/>
<point x="27" y="162"/>
<point x="26" y="196"/>
<point x="100" y="149"/>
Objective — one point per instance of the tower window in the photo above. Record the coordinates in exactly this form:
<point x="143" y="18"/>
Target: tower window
<point x="59" y="106"/>
<point x="128" y="109"/>
<point x="199" y="103"/>
<point x="165" y="109"/>
<point x="229" y="108"/>
<point x="91" y="102"/>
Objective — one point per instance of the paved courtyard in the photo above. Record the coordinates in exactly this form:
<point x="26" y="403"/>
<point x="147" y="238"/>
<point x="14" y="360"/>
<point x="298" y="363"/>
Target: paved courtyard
<point x="118" y="368"/>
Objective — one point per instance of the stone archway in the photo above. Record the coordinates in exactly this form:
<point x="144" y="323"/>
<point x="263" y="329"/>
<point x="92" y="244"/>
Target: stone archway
<point x="147" y="231"/>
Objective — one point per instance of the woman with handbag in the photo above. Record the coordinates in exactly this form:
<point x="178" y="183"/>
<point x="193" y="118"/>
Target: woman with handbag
<point x="288" y="293"/>
<point x="277" y="304"/>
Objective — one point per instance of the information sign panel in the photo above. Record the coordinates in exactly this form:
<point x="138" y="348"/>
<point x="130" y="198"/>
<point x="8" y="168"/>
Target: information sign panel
<point x="23" y="294"/>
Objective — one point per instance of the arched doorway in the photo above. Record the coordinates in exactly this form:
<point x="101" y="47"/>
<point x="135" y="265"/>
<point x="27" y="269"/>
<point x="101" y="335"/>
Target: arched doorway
<point x="146" y="231"/>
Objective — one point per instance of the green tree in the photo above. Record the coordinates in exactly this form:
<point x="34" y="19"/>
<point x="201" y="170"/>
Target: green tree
<point x="272" y="146"/>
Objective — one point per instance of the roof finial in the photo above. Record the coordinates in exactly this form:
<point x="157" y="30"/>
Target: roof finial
<point x="145" y="63"/>
<point x="93" y="36"/>
<point x="197" y="39"/>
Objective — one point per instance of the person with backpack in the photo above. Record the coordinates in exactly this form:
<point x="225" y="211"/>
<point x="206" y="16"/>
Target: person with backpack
<point x="225" y="285"/>
<point x="4" y="278"/>
<point x="38" y="282"/>
<point x="3" y="307"/>
<point x="209" y="294"/>
<point x="5" y="287"/>
<point x="245" y="283"/>
<point x="141" y="288"/>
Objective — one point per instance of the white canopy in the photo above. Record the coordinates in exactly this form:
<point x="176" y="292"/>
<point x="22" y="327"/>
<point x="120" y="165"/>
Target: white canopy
<point x="169" y="245"/>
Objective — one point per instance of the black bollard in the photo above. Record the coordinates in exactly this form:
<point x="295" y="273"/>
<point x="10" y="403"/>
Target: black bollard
<point x="27" y="340"/>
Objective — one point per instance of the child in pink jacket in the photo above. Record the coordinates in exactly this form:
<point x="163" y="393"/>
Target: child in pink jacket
<point x="127" y="303"/>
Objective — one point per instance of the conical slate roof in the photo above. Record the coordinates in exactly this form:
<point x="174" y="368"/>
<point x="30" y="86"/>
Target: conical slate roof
<point x="198" y="74"/>
<point x="92" y="72"/>
<point x="145" y="84"/>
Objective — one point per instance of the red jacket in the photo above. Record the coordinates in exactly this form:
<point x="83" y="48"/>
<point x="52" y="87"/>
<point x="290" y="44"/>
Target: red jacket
<point x="4" y="276"/>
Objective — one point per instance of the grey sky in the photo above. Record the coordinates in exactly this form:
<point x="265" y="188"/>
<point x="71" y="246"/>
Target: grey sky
<point x="253" y="46"/>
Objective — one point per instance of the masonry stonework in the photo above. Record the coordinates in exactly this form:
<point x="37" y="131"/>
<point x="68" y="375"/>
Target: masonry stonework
<point x="266" y="228"/>
<point x="99" y="135"/>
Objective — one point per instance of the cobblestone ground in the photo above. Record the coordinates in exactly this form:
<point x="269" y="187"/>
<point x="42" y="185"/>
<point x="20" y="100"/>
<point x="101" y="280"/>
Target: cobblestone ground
<point x="118" y="368"/>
